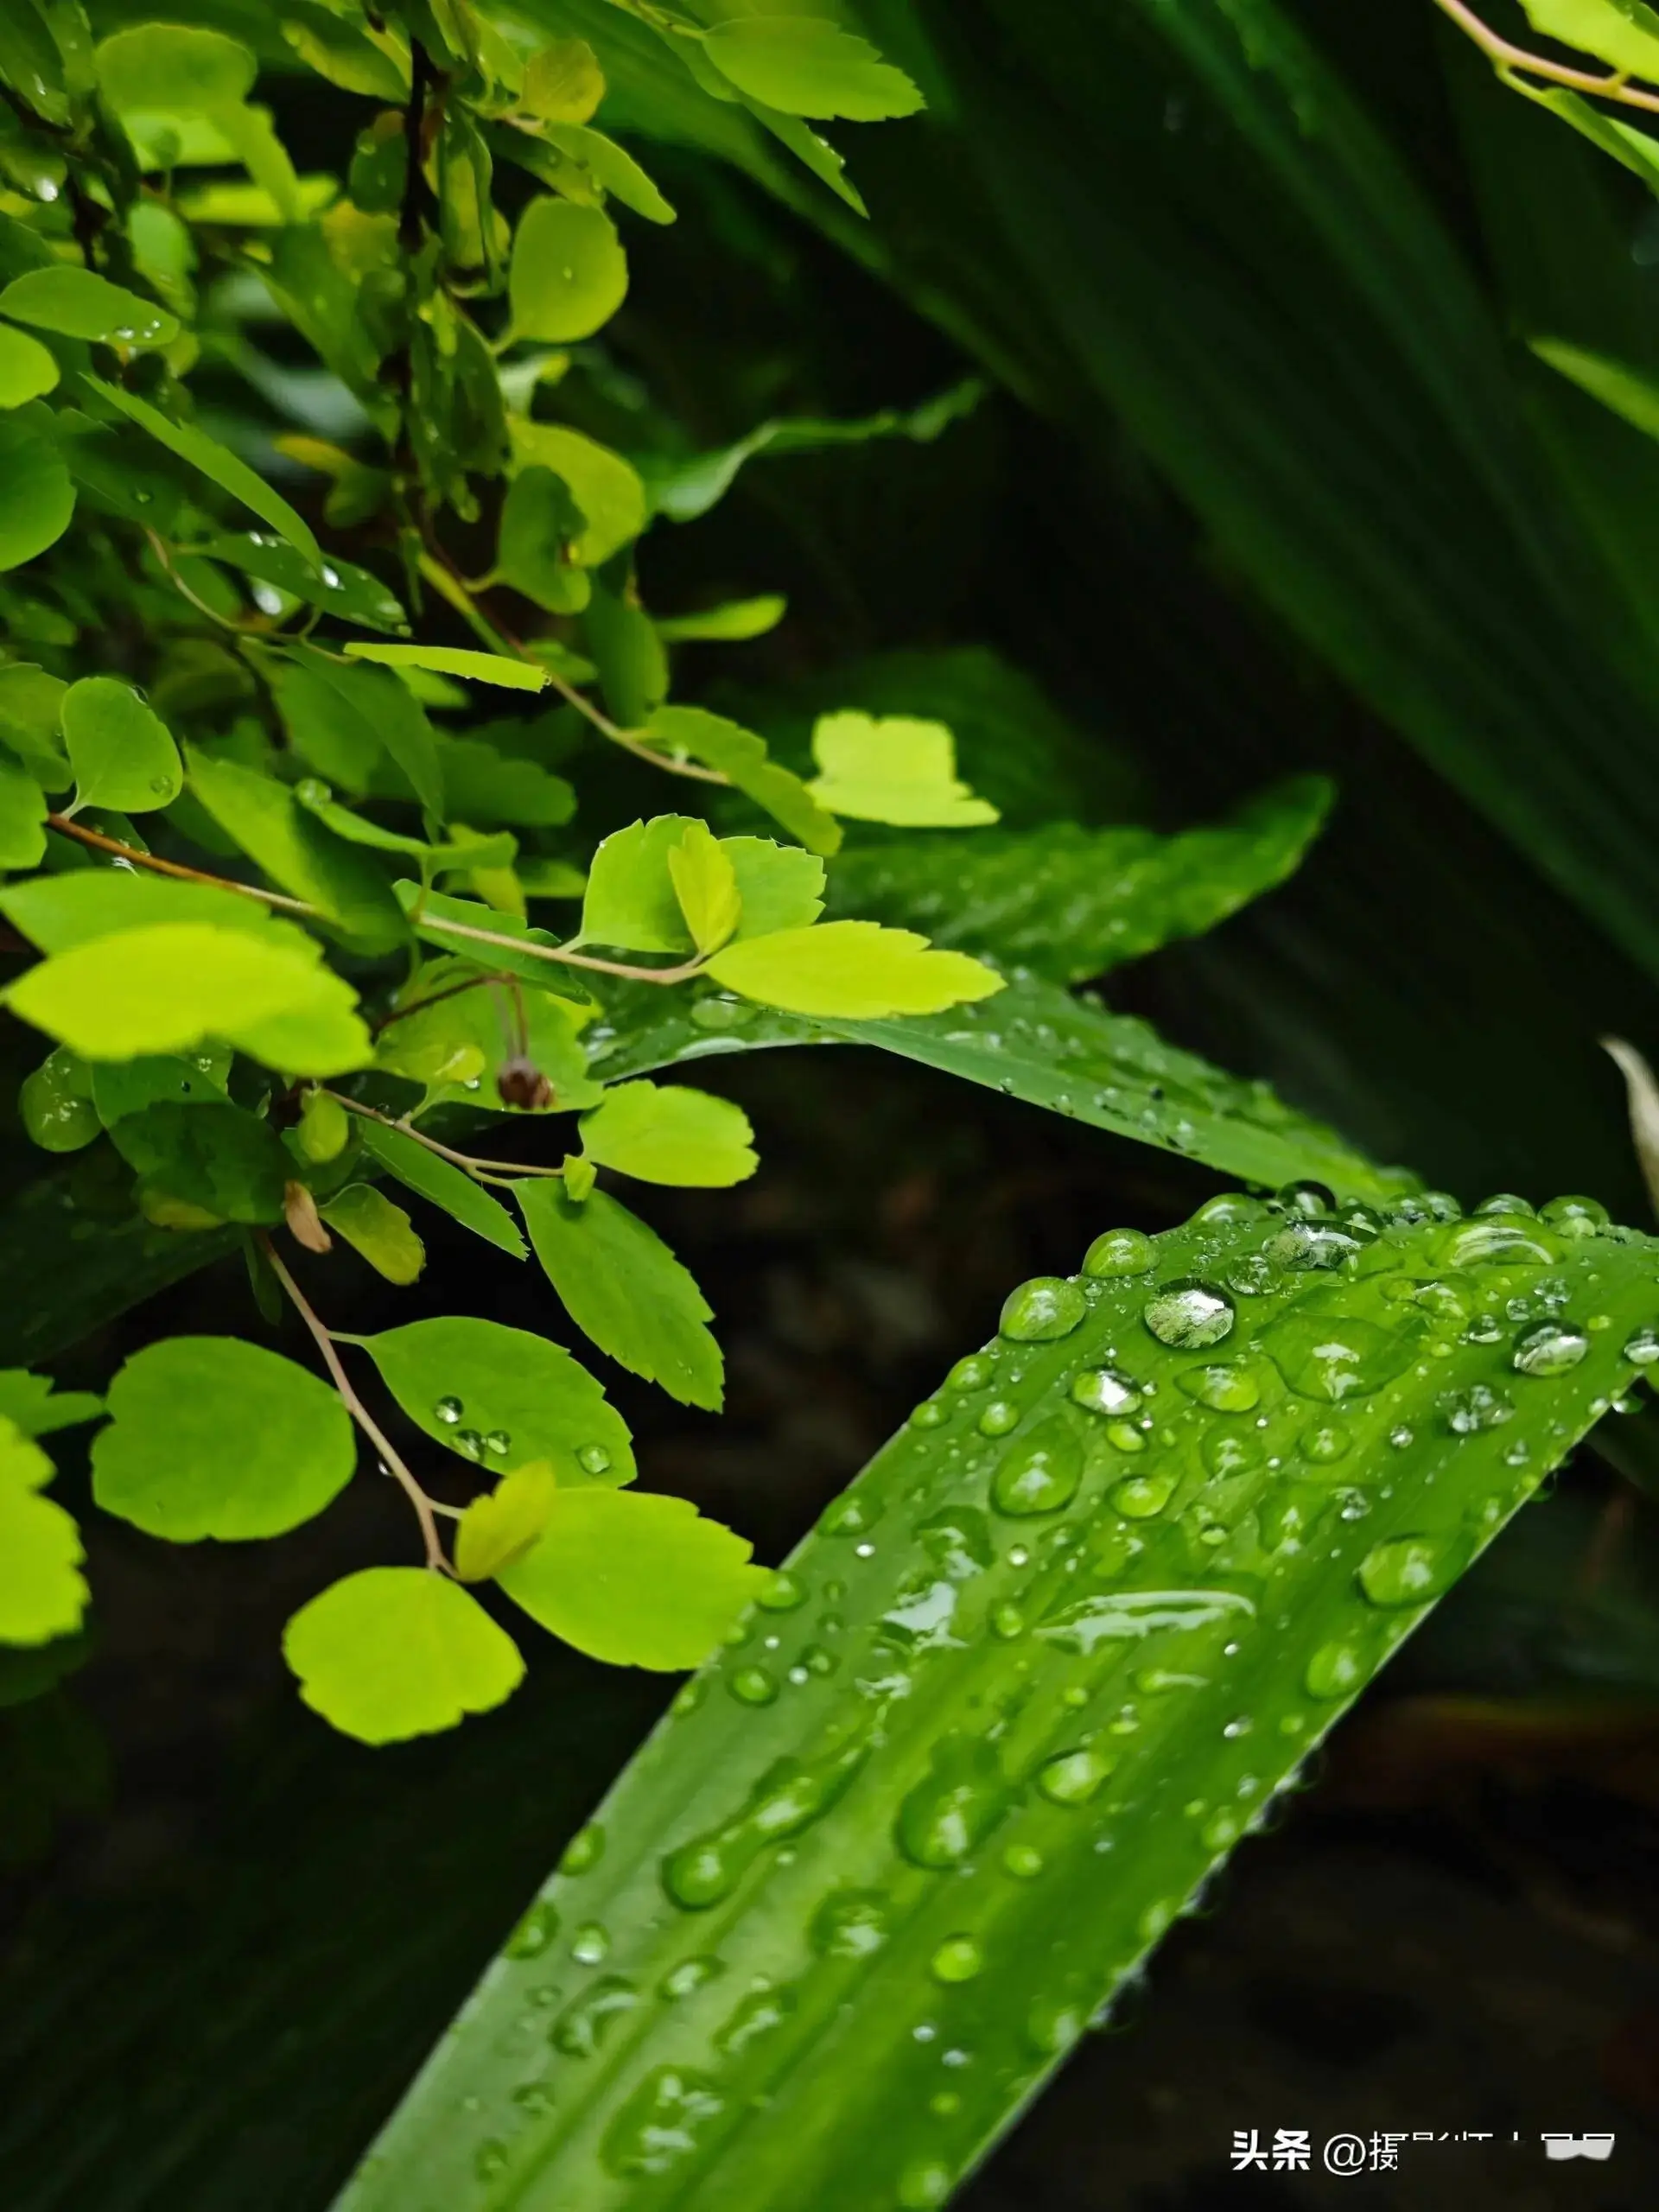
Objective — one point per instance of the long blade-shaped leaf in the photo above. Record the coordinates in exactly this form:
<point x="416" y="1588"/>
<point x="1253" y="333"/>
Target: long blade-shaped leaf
<point x="1030" y="1680"/>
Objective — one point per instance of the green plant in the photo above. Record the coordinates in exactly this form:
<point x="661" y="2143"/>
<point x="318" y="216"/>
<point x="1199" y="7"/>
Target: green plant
<point x="1128" y="1564"/>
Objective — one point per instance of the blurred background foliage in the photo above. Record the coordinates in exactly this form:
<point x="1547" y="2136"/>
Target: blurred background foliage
<point x="1265" y="481"/>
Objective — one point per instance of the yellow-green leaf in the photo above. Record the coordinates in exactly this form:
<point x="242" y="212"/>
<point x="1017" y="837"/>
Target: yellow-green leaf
<point x="76" y="303"/>
<point x="27" y="369"/>
<point x="705" y="883"/>
<point x="606" y="488"/>
<point x="568" y="274"/>
<point x="42" y="1593"/>
<point x="856" y="970"/>
<point x="667" y="1133"/>
<point x="892" y="768"/>
<point x="496" y="1530"/>
<point x="563" y="82"/>
<point x="455" y="660"/>
<point x="394" y="1652"/>
<point x="380" y="1231"/>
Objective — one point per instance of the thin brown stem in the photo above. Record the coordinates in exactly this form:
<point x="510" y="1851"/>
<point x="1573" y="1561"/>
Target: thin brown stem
<point x="680" y="974"/>
<point x="1615" y="86"/>
<point x="482" y="1170"/>
<point x="360" y="1413"/>
<point x="78" y="830"/>
<point x="436" y="998"/>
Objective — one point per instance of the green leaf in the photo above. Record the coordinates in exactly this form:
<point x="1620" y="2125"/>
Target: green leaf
<point x="503" y="1398"/>
<point x="705" y="884"/>
<point x="781" y="888"/>
<point x="854" y="969"/>
<point x="78" y="304"/>
<point x="460" y="853"/>
<point x="456" y="660"/>
<point x="351" y="595"/>
<point x="621" y="638"/>
<point x="176" y="985"/>
<point x="1621" y="32"/>
<point x="342" y="719"/>
<point x="625" y="1290"/>
<point x="685" y="486"/>
<point x="802" y="65"/>
<point x="606" y="488"/>
<point x="121" y="750"/>
<point x="1632" y="393"/>
<point x="31" y="703"/>
<point x="36" y="496"/>
<point x="215" y="462"/>
<point x="634" y="1580"/>
<point x="393" y="1652"/>
<point x="482" y="785"/>
<point x="293" y="849"/>
<point x="563" y="82"/>
<point x="892" y="769"/>
<point x="540" y="525"/>
<point x="913" y="1838"/>
<point x="27" y="369"/>
<point x="379" y="1231"/>
<point x="630" y="901"/>
<point x="735" y="622"/>
<point x="58" y="913"/>
<point x="691" y="732"/>
<point x="174" y="66"/>
<point x="23" y="817"/>
<point x="1071" y="903"/>
<point x="123" y="1087"/>
<point x="495" y="1529"/>
<point x="33" y="1404"/>
<point x="666" y="1134"/>
<point x="214" y="1155"/>
<point x="612" y="166"/>
<point x="455" y="925"/>
<point x="42" y="1593"/>
<point x="55" y="1104"/>
<point x="445" y="1185"/>
<point x="209" y="1436"/>
<point x="568" y="274"/>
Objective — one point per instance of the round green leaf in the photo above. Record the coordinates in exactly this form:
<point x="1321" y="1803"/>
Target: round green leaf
<point x="802" y="64"/>
<point x="213" y="1437"/>
<point x="399" y="1651"/>
<point x="42" y="1593"/>
<point x="174" y="66"/>
<point x="568" y="275"/>
<point x="503" y="1398"/>
<point x="26" y="368"/>
<point x="605" y="488"/>
<point x="78" y="303"/>
<point x="23" y="814"/>
<point x="635" y="1579"/>
<point x="666" y="1133"/>
<point x="36" y="495"/>
<point x="121" y="750"/>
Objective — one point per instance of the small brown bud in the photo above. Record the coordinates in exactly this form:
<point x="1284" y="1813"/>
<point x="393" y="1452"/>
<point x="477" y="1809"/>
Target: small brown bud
<point x="521" y="1082"/>
<point x="304" y="1221"/>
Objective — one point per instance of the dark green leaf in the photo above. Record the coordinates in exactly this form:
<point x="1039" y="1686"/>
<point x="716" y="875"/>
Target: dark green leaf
<point x="445" y="1185"/>
<point x="230" y="1163"/>
<point x="691" y="732"/>
<point x="351" y="593"/>
<point x="37" y="497"/>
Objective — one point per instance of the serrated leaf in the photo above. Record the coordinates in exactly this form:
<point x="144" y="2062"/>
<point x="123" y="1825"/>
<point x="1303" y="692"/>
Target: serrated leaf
<point x="634" y="1580"/>
<point x="667" y="1134"/>
<point x="892" y="768"/>
<point x="625" y="1290"/>
<point x="503" y="1398"/>
<point x="802" y="65"/>
<point x="393" y="1652"/>
<point x="76" y="303"/>
<point x="36" y="495"/>
<point x="380" y="1232"/>
<point x="28" y="370"/>
<point x="42" y="1593"/>
<point x="175" y="985"/>
<point x="23" y="817"/>
<point x="630" y="901"/>
<point x="612" y="168"/>
<point x="856" y="970"/>
<point x="350" y="594"/>
<point x="705" y="884"/>
<point x="463" y="851"/>
<point x="444" y="1185"/>
<point x="209" y="1436"/>
<point x="495" y="1529"/>
<point x="1623" y="32"/>
<point x="740" y="755"/>
<point x="482" y="785"/>
<point x="1071" y="903"/>
<point x="456" y="660"/>
<point x="606" y="488"/>
<point x="57" y="912"/>
<point x="215" y="462"/>
<point x="909" y="1837"/>
<point x="121" y="752"/>
<point x="33" y="1404"/>
<point x="569" y="273"/>
<point x="454" y="925"/>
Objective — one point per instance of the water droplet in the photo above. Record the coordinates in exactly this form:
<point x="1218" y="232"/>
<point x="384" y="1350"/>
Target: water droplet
<point x="588" y="2019"/>
<point x="661" y="2122"/>
<point x="1307" y="1200"/>
<point x="1479" y="1406"/>
<point x="1229" y="1210"/>
<point x="929" y="1414"/>
<point x="448" y="1411"/>
<point x="1251" y="1277"/>
<point x="784" y="1592"/>
<point x="1188" y="1314"/>
<point x="690" y="1975"/>
<point x="955" y="1806"/>
<point x="1053" y="2024"/>
<point x="1307" y="1247"/>
<point x="535" y="2098"/>
<point x="1228" y="1387"/>
<point x="850" y="1924"/>
<point x="584" y="1850"/>
<point x="923" y="2184"/>
<point x="753" y="1686"/>
<point x="1574" y="1217"/>
<point x="1225" y="1452"/>
<point x="998" y="1418"/>
<point x="1642" y="1349"/>
<point x="1120" y="1252"/>
<point x="958" y="1959"/>
<point x="591" y="1944"/>
<point x="1551" y="1348"/>
<point x="1024" y="1861"/>
<point x="1040" y="1311"/>
<point x="498" y="1443"/>
<point x="534" y="1932"/>
<point x="490" y="2160"/>
<point x="972" y="1373"/>
<point x="1073" y="1778"/>
<point x="1499" y="1242"/>
<point x="1107" y="1391"/>
<point x="1335" y="1670"/>
<point x="1410" y="1570"/>
<point x="756" y="2016"/>
<point x="1040" y="1473"/>
<point x="1325" y="1443"/>
<point x="469" y="1441"/>
<point x="1326" y="1350"/>
<point x="593" y="1459"/>
<point x="1140" y="1498"/>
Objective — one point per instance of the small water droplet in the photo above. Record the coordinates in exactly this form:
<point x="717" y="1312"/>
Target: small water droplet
<point x="534" y="1933"/>
<point x="584" y="1850"/>
<point x="1120" y="1252"/>
<point x="1575" y="1217"/>
<point x="784" y="1592"/>
<point x="469" y="1441"/>
<point x="1188" y="1314"/>
<point x="850" y="1924"/>
<point x="1140" y="1498"/>
<point x="1024" y="1861"/>
<point x="1040" y="1474"/>
<point x="591" y="1944"/>
<point x="498" y="1443"/>
<point x="690" y="1975"/>
<point x="490" y="2160"/>
<point x="972" y="1373"/>
<point x="1107" y="1391"/>
<point x="1073" y="1778"/>
<point x="998" y="1418"/>
<point x="593" y="1459"/>
<point x="959" y="1958"/>
<point x="923" y="2185"/>
<point x="1227" y="1387"/>
<point x="448" y="1411"/>
<point x="929" y="1414"/>
<point x="1042" y="1310"/>
<point x="1468" y="1412"/>
<point x="753" y="1686"/>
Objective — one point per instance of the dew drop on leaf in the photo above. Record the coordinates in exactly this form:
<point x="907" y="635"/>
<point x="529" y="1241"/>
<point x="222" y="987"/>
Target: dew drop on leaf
<point x="592" y="1459"/>
<point x="1550" y="1349"/>
<point x="1120" y="1252"/>
<point x="1106" y="1390"/>
<point x="959" y="1958"/>
<point x="1189" y="1314"/>
<point x="753" y="1686"/>
<point x="1410" y="1570"/>
<point x="448" y="1411"/>
<point x="1042" y="1310"/>
<point x="1642" y="1349"/>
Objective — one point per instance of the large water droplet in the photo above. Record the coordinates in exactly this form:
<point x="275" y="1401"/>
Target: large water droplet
<point x="1073" y="1778"/>
<point x="1550" y="1349"/>
<point x="1479" y="1406"/>
<point x="661" y="2122"/>
<point x="586" y="2020"/>
<point x="959" y="1958"/>
<point x="998" y="1418"/>
<point x="1142" y="1497"/>
<point x="1307" y="1246"/>
<point x="1642" y="1349"/>
<point x="1410" y="1570"/>
<point x="1040" y="1473"/>
<point x="1120" y="1252"/>
<point x="753" y="1686"/>
<point x="1574" y="1217"/>
<point x="954" y="1807"/>
<point x="1189" y="1314"/>
<point x="1042" y="1310"/>
<point x="850" y="1924"/>
<point x="1498" y="1242"/>
<point x="1335" y="1670"/>
<point x="1107" y="1391"/>
<point x="1227" y="1387"/>
<point x="1329" y="1351"/>
<point x="972" y="1373"/>
<point x="534" y="1932"/>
